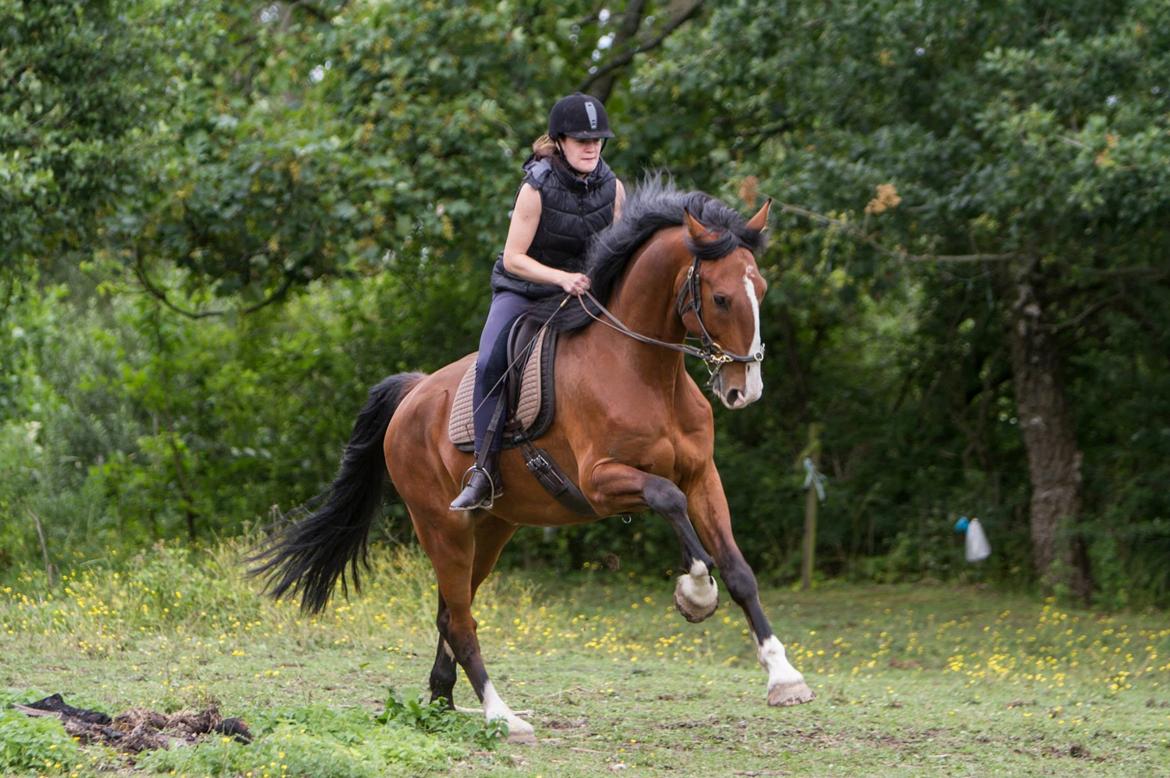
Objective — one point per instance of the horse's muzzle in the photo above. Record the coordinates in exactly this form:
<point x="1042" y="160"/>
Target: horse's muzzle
<point x="736" y="397"/>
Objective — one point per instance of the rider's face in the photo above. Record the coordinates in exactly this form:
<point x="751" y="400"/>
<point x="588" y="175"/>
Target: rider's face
<point x="582" y="155"/>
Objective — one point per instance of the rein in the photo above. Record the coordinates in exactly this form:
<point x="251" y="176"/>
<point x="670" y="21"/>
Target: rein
<point x="714" y="356"/>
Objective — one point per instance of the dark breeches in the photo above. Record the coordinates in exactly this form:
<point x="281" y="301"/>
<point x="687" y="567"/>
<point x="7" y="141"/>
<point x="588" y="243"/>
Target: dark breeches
<point x="493" y="360"/>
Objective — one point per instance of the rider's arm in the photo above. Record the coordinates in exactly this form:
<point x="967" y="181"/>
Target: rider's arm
<point x="525" y="219"/>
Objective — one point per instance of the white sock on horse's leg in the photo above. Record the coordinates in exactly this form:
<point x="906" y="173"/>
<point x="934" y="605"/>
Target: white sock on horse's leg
<point x="786" y="685"/>
<point x="519" y="730"/>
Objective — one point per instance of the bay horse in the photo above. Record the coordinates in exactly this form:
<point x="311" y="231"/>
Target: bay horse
<point x="632" y="427"/>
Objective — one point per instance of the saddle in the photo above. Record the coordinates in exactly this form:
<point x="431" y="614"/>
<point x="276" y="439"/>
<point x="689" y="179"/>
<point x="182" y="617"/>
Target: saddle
<point x="529" y="402"/>
<point x="528" y="389"/>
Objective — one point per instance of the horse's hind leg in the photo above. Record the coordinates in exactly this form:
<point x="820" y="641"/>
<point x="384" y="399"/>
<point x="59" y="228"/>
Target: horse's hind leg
<point x="450" y="542"/>
<point x="491" y="535"/>
<point x="442" y="680"/>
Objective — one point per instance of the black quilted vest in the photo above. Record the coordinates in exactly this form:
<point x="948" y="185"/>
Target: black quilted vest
<point x="572" y="210"/>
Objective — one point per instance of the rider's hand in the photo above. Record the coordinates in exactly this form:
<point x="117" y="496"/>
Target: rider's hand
<point x="575" y="283"/>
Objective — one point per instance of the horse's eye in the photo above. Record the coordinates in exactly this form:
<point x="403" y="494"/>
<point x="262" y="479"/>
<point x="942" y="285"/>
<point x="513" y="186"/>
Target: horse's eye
<point x="722" y="301"/>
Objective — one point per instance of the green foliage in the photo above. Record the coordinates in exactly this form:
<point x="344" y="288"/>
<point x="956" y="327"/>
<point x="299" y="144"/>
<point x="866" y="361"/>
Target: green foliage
<point x="435" y="718"/>
<point x="974" y="117"/>
<point x="356" y="139"/>
<point x="125" y="424"/>
<point x="39" y="745"/>
<point x="80" y="90"/>
<point x="320" y="189"/>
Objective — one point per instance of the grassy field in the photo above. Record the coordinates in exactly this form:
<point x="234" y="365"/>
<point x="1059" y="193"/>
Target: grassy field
<point x="914" y="679"/>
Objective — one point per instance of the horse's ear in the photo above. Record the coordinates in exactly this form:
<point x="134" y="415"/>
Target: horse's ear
<point x="698" y="232"/>
<point x="759" y="222"/>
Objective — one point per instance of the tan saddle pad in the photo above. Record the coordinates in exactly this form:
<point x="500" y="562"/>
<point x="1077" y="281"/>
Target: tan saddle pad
<point x="533" y="411"/>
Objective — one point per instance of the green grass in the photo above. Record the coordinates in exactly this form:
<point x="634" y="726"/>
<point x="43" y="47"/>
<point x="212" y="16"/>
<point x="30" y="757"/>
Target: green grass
<point x="913" y="679"/>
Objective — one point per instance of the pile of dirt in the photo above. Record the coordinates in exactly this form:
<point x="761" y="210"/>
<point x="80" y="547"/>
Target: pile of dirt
<point x="138" y="729"/>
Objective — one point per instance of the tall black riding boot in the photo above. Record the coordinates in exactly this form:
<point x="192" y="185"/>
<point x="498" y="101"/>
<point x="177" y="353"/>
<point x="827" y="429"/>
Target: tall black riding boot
<point x="482" y="485"/>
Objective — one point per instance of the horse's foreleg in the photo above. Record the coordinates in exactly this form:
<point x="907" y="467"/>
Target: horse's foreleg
<point x="786" y="686"/>
<point x="452" y="549"/>
<point x="491" y="535"/>
<point x="612" y="484"/>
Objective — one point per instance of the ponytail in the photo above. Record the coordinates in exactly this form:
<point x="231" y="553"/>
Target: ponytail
<point x="544" y="147"/>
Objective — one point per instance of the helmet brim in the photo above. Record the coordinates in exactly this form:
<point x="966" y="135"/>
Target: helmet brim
<point x="590" y="134"/>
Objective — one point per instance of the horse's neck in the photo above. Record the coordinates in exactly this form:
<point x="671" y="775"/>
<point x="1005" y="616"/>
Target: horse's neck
<point x="644" y="300"/>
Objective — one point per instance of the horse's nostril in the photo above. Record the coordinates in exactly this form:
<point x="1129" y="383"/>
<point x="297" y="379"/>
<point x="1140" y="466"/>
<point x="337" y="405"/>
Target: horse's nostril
<point x="733" y="396"/>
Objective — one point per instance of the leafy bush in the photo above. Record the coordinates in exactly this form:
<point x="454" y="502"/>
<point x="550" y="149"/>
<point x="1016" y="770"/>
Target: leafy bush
<point x="435" y="718"/>
<point x="36" y="744"/>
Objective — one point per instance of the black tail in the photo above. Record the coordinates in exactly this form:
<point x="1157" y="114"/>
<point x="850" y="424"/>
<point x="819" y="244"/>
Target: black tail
<point x="310" y="555"/>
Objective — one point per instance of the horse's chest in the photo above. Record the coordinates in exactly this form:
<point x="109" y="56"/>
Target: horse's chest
<point x="653" y="448"/>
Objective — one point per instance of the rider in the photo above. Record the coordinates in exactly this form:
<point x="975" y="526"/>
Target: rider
<point x="567" y="196"/>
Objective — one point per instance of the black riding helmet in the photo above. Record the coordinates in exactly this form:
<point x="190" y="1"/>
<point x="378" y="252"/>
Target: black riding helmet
<point x="579" y="116"/>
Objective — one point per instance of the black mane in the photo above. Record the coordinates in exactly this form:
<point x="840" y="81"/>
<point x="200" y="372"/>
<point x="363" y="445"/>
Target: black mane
<point x="653" y="205"/>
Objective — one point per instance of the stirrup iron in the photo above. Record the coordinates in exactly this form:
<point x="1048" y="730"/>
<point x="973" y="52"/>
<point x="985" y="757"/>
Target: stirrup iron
<point x="486" y="474"/>
<point x="487" y="501"/>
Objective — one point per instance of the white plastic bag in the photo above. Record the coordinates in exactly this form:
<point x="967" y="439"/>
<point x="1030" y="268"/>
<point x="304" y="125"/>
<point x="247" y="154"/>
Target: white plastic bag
<point x="978" y="548"/>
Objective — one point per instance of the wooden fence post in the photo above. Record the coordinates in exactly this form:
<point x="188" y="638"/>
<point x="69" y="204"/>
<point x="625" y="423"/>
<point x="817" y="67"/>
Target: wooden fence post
<point x="810" y="458"/>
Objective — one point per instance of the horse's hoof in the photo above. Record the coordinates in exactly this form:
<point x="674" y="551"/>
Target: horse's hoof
<point x="688" y="611"/>
<point x="696" y="595"/>
<point x="793" y="693"/>
<point x="520" y="732"/>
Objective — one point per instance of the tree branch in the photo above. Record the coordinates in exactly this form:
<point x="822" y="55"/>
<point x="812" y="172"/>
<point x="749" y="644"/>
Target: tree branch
<point x="898" y="254"/>
<point x="1144" y="272"/>
<point x="594" y="15"/>
<point x="1088" y="312"/>
<point x="160" y="294"/>
<point x="627" y="30"/>
<point x="316" y="13"/>
<point x="623" y="59"/>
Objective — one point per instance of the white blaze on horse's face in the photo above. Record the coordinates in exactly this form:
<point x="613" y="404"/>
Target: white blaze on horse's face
<point x="727" y="388"/>
<point x="755" y="375"/>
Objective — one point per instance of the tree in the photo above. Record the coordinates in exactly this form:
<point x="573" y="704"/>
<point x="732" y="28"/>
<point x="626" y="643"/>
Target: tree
<point x="1025" y="146"/>
<point x="80" y="91"/>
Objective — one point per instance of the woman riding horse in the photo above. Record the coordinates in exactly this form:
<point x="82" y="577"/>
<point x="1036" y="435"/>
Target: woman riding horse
<point x="568" y="195"/>
<point x="633" y="430"/>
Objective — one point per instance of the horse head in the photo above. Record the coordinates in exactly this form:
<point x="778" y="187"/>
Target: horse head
<point x="719" y="302"/>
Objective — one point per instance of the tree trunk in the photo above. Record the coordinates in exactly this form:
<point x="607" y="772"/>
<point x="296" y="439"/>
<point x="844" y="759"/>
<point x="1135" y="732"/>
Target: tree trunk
<point x="809" y="547"/>
<point x="1054" y="459"/>
<point x="628" y="29"/>
<point x="812" y="452"/>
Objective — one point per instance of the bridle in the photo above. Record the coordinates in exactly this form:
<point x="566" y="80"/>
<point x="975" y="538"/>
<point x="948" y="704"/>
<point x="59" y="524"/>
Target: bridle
<point x="690" y="299"/>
